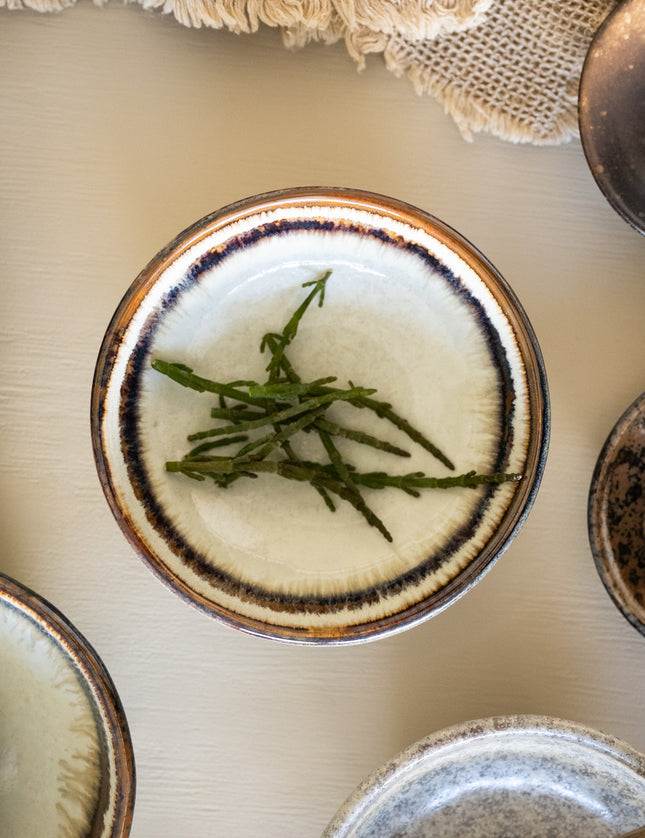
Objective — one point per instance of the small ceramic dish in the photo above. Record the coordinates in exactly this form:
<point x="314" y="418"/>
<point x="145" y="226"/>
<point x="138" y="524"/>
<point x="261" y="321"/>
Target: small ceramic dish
<point x="616" y="514"/>
<point x="611" y="110"/>
<point x="501" y="778"/>
<point x="66" y="761"/>
<point x="410" y="309"/>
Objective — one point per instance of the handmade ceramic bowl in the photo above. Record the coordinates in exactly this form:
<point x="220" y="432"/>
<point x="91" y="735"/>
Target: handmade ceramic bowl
<point x="506" y="776"/>
<point x="410" y="309"/>
<point x="611" y="110"/>
<point x="66" y="762"/>
<point x="616" y="514"/>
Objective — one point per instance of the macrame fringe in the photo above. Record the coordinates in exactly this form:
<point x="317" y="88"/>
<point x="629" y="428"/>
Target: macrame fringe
<point x="306" y="20"/>
<point x="361" y="39"/>
<point x="37" y="5"/>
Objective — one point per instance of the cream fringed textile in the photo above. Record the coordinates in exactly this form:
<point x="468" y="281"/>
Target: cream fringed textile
<point x="507" y="67"/>
<point x="303" y="19"/>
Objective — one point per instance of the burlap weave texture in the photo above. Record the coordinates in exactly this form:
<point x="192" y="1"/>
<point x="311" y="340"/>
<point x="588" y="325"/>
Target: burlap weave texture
<point x="515" y="75"/>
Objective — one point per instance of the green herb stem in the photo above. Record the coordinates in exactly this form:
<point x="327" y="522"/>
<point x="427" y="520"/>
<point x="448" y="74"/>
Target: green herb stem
<point x="290" y="405"/>
<point x="333" y="428"/>
<point x="306" y="471"/>
<point x="187" y="378"/>
<point x="216" y="443"/>
<point x="353" y="494"/>
<point x="381" y="409"/>
<point x="385" y="411"/>
<point x="289" y="389"/>
<point x="291" y="329"/>
<point x="260" y="448"/>
<point x="284" y="415"/>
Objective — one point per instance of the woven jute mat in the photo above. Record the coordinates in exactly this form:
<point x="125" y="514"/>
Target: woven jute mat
<point x="507" y="67"/>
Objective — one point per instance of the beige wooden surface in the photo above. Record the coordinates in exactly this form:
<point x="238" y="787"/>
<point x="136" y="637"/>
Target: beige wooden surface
<point x="119" y="128"/>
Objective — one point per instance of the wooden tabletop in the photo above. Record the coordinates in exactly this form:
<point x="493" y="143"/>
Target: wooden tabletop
<point x="120" y="128"/>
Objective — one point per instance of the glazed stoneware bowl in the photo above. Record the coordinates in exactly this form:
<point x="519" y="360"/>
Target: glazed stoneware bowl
<point x="503" y="777"/>
<point x="66" y="761"/>
<point x="611" y="110"/>
<point x="411" y="311"/>
<point x="616" y="514"/>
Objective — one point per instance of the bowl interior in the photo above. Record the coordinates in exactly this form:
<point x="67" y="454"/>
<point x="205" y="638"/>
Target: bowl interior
<point x="616" y="514"/>
<point x="65" y="751"/>
<point x="410" y="309"/>
<point x="512" y="775"/>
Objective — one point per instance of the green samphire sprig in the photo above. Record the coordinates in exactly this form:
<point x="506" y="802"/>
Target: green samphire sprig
<point x="284" y="406"/>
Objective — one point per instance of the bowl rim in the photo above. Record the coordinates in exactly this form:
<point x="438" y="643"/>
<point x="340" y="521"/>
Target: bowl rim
<point x="587" y="140"/>
<point x="365" y="795"/>
<point x="603" y="557"/>
<point x="393" y="210"/>
<point x="114" y="732"/>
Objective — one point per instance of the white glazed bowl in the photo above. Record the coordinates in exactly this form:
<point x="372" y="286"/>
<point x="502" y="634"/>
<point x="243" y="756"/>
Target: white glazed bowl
<point x="412" y="309"/>
<point x="66" y="760"/>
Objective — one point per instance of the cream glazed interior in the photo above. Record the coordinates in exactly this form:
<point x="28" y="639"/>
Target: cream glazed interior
<point x="50" y="765"/>
<point x="403" y="313"/>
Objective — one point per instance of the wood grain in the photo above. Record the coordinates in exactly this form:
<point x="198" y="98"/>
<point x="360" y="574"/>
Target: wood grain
<point x="120" y="128"/>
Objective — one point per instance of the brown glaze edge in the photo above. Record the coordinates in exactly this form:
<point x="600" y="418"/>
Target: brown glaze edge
<point x="374" y="785"/>
<point x="536" y="383"/>
<point x="104" y="692"/>
<point x="603" y="562"/>
<point x="584" y="121"/>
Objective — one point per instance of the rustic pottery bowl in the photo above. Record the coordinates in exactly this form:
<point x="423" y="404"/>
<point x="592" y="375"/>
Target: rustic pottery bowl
<point x="502" y="777"/>
<point x="66" y="761"/>
<point x="411" y="309"/>
<point x="611" y="110"/>
<point x="616" y="514"/>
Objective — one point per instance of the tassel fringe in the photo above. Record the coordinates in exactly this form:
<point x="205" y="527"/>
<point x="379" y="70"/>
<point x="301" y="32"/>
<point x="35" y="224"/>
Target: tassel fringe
<point x="307" y="20"/>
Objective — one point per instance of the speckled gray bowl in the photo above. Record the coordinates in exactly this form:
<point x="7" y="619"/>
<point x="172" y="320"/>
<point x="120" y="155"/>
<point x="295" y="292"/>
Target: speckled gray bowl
<point x="504" y="777"/>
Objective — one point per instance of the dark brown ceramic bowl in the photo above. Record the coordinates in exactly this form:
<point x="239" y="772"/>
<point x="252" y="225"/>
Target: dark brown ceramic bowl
<point x="611" y="110"/>
<point x="65" y="743"/>
<point x="616" y="514"/>
<point x="412" y="309"/>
